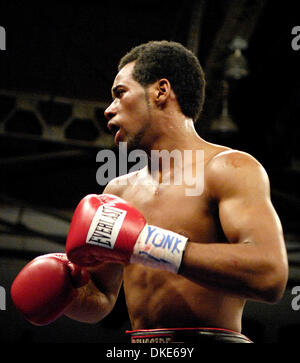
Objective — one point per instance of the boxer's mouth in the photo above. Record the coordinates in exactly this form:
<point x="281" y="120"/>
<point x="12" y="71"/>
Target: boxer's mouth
<point x="113" y="128"/>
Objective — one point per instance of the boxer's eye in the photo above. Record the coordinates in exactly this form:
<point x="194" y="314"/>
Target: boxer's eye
<point x="119" y="93"/>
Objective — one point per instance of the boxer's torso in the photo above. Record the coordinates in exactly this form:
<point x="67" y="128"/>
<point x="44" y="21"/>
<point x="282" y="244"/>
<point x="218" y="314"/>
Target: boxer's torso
<point x="158" y="299"/>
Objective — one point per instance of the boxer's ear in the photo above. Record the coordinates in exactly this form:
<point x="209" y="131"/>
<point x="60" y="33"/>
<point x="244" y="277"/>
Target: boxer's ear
<point x="162" y="92"/>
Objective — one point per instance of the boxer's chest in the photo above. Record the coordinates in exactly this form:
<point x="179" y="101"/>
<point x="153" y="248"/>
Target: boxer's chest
<point x="171" y="208"/>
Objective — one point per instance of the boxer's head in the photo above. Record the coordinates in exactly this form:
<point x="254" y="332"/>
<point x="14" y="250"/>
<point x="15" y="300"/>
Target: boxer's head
<point x="163" y="59"/>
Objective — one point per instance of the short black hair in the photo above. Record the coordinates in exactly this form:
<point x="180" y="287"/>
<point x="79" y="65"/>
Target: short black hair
<point x="171" y="60"/>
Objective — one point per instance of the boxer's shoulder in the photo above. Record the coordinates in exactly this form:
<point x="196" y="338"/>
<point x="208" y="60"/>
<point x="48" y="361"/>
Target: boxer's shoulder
<point x="231" y="158"/>
<point x="231" y="169"/>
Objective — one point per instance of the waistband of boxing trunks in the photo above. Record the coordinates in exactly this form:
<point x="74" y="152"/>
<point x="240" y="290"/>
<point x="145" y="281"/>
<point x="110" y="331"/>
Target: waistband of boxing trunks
<point x="186" y="335"/>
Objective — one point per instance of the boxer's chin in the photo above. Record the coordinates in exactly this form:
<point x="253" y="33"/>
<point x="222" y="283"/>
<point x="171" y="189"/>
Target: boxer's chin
<point x="135" y="142"/>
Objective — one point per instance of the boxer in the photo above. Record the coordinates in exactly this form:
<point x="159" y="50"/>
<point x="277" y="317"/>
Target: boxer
<point x="188" y="264"/>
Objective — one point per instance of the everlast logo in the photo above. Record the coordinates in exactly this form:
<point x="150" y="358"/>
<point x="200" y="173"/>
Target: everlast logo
<point x="105" y="231"/>
<point x="2" y="38"/>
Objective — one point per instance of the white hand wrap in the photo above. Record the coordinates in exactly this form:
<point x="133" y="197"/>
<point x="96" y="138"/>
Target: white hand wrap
<point x="159" y="248"/>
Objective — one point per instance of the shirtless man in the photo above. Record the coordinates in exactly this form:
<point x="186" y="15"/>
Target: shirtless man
<point x="232" y="237"/>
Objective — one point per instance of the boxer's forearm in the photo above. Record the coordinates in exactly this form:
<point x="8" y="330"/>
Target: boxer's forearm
<point x="96" y="299"/>
<point x="90" y="306"/>
<point x="244" y="270"/>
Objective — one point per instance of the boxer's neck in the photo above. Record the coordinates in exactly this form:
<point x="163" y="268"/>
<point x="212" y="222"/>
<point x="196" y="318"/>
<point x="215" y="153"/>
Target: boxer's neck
<point x="171" y="134"/>
<point x="174" y="137"/>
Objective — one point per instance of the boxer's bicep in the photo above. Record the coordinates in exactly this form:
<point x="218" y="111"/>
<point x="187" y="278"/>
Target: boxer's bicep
<point x="245" y="210"/>
<point x="249" y="219"/>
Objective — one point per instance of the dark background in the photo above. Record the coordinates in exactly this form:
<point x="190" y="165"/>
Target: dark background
<point x="55" y="79"/>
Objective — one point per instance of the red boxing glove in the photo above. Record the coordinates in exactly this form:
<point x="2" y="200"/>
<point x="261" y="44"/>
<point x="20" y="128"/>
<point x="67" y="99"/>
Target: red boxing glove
<point x="46" y="286"/>
<point x="107" y="228"/>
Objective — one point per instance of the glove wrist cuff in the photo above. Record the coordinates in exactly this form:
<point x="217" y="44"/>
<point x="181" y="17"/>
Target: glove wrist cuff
<point x="159" y="248"/>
